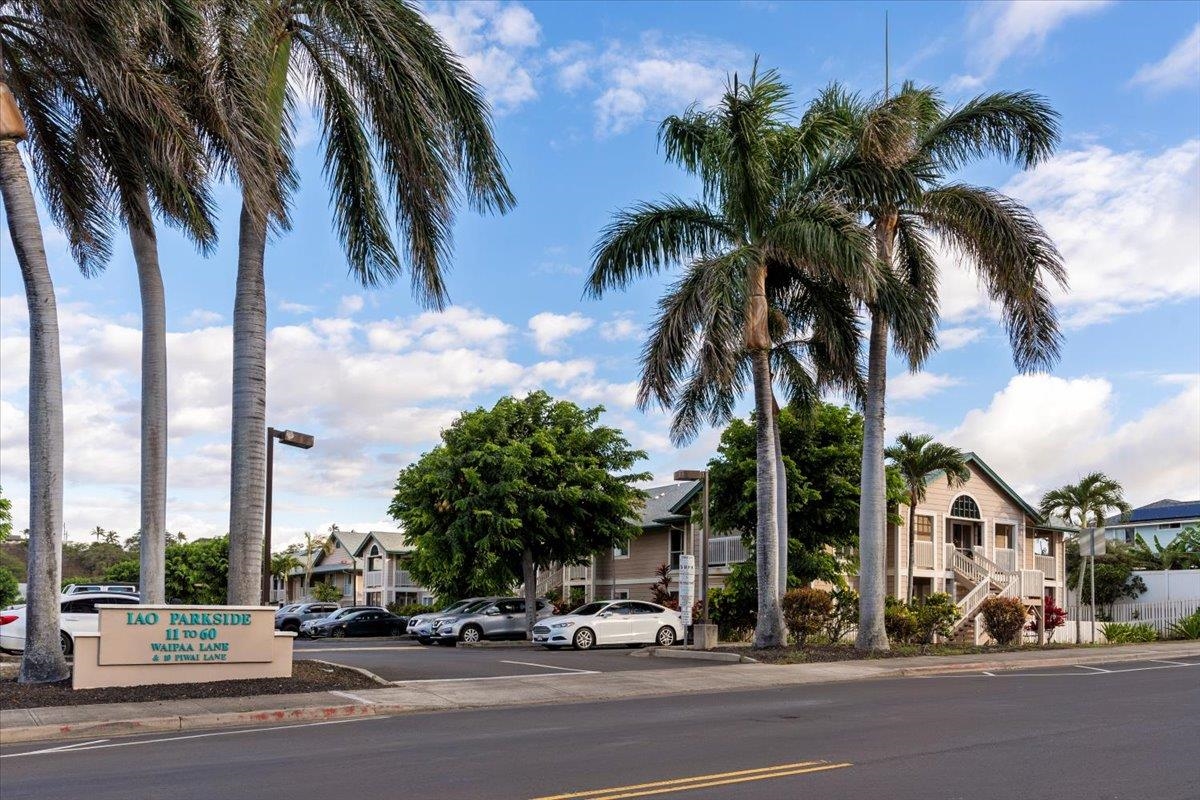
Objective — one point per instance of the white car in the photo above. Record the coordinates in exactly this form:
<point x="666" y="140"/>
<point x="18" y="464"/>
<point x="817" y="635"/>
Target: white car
<point x="79" y="615"/>
<point x="629" y="622"/>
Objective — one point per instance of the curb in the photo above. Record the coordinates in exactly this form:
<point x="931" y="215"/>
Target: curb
<point x="698" y="655"/>
<point x="366" y="673"/>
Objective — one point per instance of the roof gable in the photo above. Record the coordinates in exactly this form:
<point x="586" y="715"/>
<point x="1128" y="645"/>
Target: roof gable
<point x="990" y="474"/>
<point x="390" y="542"/>
<point x="667" y="503"/>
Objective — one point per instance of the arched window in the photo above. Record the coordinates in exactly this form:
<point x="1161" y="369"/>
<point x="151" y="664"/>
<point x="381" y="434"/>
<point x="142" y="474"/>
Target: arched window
<point x="964" y="507"/>
<point x="374" y="550"/>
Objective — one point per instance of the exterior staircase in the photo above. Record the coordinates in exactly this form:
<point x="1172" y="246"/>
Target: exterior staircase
<point x="986" y="579"/>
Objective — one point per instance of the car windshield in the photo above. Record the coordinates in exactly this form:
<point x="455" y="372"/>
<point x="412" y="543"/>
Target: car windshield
<point x="460" y="605"/>
<point x="590" y="609"/>
<point x="478" y="605"/>
<point x="287" y="609"/>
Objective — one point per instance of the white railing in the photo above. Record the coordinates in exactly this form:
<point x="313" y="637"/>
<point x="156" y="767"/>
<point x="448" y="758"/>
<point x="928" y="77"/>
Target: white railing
<point x="724" y="550"/>
<point x="922" y="554"/>
<point x="967" y="566"/>
<point x="404" y="579"/>
<point x="1047" y="565"/>
<point x="373" y="580"/>
<point x="970" y="602"/>
<point x="1013" y="588"/>
<point x="1006" y="559"/>
<point x="1161" y="615"/>
<point x="1033" y="583"/>
<point x="577" y="572"/>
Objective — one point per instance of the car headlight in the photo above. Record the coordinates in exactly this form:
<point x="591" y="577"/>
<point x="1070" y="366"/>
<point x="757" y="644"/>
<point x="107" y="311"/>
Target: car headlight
<point x="563" y="625"/>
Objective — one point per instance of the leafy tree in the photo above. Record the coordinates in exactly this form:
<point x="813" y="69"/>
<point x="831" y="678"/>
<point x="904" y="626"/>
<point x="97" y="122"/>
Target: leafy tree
<point x="282" y="565"/>
<point x="1182" y="552"/>
<point x="5" y="517"/>
<point x="513" y="488"/>
<point x="326" y="592"/>
<point x="917" y="457"/>
<point x="905" y="148"/>
<point x="406" y="135"/>
<point x="1113" y="570"/>
<point x="312" y="547"/>
<point x="126" y="571"/>
<point x="196" y="572"/>
<point x="9" y="590"/>
<point x="763" y="295"/>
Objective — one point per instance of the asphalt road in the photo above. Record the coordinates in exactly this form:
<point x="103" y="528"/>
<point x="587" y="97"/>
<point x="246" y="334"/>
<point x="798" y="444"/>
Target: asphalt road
<point x="402" y="660"/>
<point x="1132" y="731"/>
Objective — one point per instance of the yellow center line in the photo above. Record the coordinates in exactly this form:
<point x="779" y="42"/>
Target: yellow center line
<point x="698" y="781"/>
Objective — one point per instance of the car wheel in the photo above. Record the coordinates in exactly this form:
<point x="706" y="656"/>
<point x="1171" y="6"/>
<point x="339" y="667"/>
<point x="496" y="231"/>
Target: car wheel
<point x="471" y="634"/>
<point x="338" y="633"/>
<point x="584" y="639"/>
<point x="292" y="627"/>
<point x="666" y="636"/>
<point x="65" y="642"/>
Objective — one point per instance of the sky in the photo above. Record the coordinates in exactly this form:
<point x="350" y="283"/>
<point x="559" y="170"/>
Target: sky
<point x="577" y="90"/>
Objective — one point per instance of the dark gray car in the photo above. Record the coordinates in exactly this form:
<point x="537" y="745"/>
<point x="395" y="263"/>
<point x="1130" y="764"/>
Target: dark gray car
<point x="303" y="613"/>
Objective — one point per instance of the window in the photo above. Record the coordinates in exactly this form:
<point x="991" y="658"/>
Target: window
<point x="1041" y="546"/>
<point x="374" y="564"/>
<point x="1166" y="526"/>
<point x="622" y="595"/>
<point x="676" y="547"/>
<point x="645" y="608"/>
<point x="1004" y="536"/>
<point x="621" y="551"/>
<point x="923" y="528"/>
<point x="621" y="609"/>
<point x="964" y="507"/>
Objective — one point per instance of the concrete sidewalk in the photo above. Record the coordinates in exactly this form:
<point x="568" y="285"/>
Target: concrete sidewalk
<point x="123" y="719"/>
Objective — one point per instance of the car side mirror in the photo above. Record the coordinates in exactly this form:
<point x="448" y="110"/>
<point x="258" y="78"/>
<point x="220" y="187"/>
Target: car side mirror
<point x="606" y="613"/>
<point x="492" y="612"/>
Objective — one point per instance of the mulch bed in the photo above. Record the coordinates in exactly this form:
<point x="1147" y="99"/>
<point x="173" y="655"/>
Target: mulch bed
<point x="820" y="653"/>
<point x="307" y="676"/>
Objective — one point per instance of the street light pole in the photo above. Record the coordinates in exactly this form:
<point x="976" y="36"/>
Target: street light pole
<point x="304" y="441"/>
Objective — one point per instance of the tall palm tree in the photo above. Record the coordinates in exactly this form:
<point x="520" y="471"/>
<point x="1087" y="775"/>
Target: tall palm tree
<point x="406" y="130"/>
<point x="1086" y="503"/>
<point x="913" y="133"/>
<point x="754" y="239"/>
<point x="75" y="86"/>
<point x="917" y="457"/>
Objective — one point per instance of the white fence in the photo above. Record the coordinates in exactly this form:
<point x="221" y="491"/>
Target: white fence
<point x="1168" y="584"/>
<point x="724" y="550"/>
<point x="1161" y="615"/>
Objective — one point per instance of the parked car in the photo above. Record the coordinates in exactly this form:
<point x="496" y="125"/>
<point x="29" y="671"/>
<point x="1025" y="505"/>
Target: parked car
<point x="82" y="588"/>
<point x="629" y="622"/>
<point x="79" y="615"/>
<point x="306" y="627"/>
<point x="284" y="610"/>
<point x="416" y="620"/>
<point x="369" y="622"/>
<point x="292" y="620"/>
<point x="501" y="619"/>
<point x="426" y="631"/>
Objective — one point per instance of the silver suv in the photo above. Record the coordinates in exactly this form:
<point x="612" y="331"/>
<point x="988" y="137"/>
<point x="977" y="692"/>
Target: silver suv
<point x="503" y="618"/>
<point x="417" y="620"/>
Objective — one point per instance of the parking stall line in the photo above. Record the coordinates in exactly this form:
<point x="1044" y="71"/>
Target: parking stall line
<point x="1085" y="666"/>
<point x="551" y="666"/>
<point x="699" y="781"/>
<point x="354" y="697"/>
<point x="498" y="677"/>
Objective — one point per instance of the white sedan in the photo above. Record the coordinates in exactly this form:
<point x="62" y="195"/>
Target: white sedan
<point x="629" y="622"/>
<point x="79" y="615"/>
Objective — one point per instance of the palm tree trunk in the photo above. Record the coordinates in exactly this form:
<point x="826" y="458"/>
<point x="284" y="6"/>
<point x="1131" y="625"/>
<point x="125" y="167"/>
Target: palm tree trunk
<point x="43" y="660"/>
<point x="770" y="630"/>
<point x="529" y="575"/>
<point x="152" y="550"/>
<point x="872" y="506"/>
<point x="247" y="484"/>
<point x="780" y="501"/>
<point x="912" y="542"/>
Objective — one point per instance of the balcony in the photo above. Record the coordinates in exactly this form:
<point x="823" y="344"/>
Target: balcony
<point x="404" y="580"/>
<point x="373" y="580"/>
<point x="1006" y="558"/>
<point x="1047" y="565"/>
<point x="577" y="572"/>
<point x="922" y="554"/>
<point x="726" y="550"/>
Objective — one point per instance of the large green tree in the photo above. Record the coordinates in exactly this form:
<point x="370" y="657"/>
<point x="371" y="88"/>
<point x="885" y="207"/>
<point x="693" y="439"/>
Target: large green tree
<point x="196" y="571"/>
<point x="5" y="517"/>
<point x="406" y="135"/>
<point x="917" y="457"/>
<point x="766" y="268"/>
<point x="514" y="488"/>
<point x="915" y="134"/>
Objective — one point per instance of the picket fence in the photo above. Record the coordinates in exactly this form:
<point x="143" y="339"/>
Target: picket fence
<point x="1161" y="615"/>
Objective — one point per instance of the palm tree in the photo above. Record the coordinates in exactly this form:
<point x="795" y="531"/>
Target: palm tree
<point x="401" y="117"/>
<point x="314" y="545"/>
<point x="754" y="239"/>
<point x="917" y="457"/>
<point x="282" y="565"/>
<point x="914" y="134"/>
<point x="74" y="85"/>
<point x="1086" y="503"/>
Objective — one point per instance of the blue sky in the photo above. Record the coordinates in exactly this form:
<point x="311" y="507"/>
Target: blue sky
<point x="578" y="89"/>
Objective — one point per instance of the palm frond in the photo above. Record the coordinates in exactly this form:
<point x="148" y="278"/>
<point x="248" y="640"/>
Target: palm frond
<point x="1015" y="126"/>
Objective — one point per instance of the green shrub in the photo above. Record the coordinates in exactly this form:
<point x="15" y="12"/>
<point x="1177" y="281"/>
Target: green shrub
<point x="844" y="618"/>
<point x="1003" y="618"/>
<point x="326" y="592"/>
<point x="1129" y="632"/>
<point x="1187" y="628"/>
<point x="408" y="609"/>
<point x="935" y="616"/>
<point x="9" y="591"/>
<point x="807" y="612"/>
<point x="899" y="621"/>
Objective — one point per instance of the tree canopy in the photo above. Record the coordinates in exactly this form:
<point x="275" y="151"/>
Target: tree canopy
<point x="529" y="479"/>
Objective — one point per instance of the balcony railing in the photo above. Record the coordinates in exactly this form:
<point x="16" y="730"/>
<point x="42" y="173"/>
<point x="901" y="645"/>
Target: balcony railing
<point x="922" y="554"/>
<point x="577" y="572"/>
<point x="1046" y="564"/>
<point x="373" y="580"/>
<point x="404" y="580"/>
<point x="1006" y="558"/>
<point x="1032" y="583"/>
<point x="724" y="550"/>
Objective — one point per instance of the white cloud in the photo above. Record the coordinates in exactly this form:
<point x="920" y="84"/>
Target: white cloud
<point x="997" y="31"/>
<point x="201" y="317"/>
<point x="288" y="307"/>
<point x="620" y="328"/>
<point x="1179" y="69"/>
<point x="918" y="385"/>
<point x="1042" y="431"/>
<point x="954" y="338"/>
<point x="550" y="330"/>
<point x="645" y="80"/>
<point x="351" y="304"/>
<point x="493" y="40"/>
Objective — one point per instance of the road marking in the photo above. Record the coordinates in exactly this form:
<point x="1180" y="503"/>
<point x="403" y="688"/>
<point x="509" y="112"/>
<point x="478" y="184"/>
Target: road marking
<point x="498" y="677"/>
<point x="395" y="649"/>
<point x="80" y="748"/>
<point x="61" y="748"/>
<point x="990" y="674"/>
<point x="1172" y="663"/>
<point x="1085" y="666"/>
<point x="699" y="781"/>
<point x="1014" y="674"/>
<point x="550" y="666"/>
<point x="354" y="697"/>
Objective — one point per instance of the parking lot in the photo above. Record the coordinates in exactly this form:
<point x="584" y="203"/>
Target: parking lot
<point x="404" y="660"/>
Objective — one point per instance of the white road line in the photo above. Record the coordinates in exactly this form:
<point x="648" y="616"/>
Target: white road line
<point x="498" y="677"/>
<point x="990" y="674"/>
<point x="1085" y="666"/>
<point x="80" y="749"/>
<point x="1064" y="674"/>
<point x="354" y="697"/>
<point x="1172" y="663"/>
<point x="61" y="748"/>
<point x="399" y="649"/>
<point x="550" y="666"/>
